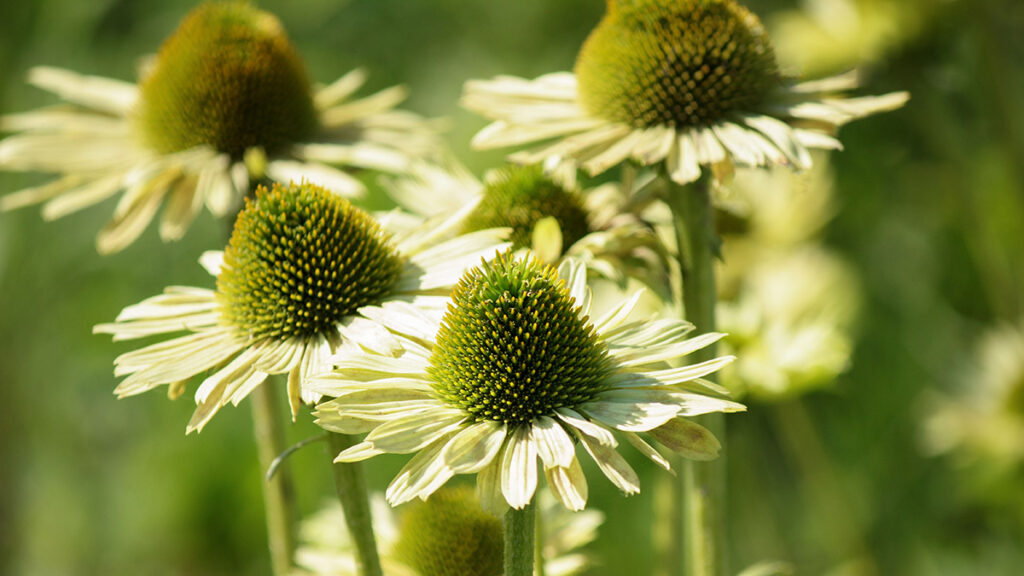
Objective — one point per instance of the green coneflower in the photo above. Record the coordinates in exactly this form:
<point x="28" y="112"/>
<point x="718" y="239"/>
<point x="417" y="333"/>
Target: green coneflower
<point x="447" y="535"/>
<point x="226" y="86"/>
<point x="692" y="83"/>
<point x="548" y="214"/>
<point x="517" y="370"/>
<point x="301" y="267"/>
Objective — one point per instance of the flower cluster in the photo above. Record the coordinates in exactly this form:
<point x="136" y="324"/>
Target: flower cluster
<point x="459" y="328"/>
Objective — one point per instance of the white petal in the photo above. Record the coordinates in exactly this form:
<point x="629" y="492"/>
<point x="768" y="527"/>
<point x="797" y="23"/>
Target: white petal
<point x="581" y="424"/>
<point x="569" y="485"/>
<point x="474" y="447"/>
<point x="554" y="445"/>
<point x="614" y="467"/>
<point x="519" y="468"/>
<point x="104" y="94"/>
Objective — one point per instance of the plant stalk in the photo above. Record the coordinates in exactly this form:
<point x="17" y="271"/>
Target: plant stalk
<point x="699" y="494"/>
<point x="350" y="482"/>
<point x="278" y="494"/>
<point x="519" y="541"/>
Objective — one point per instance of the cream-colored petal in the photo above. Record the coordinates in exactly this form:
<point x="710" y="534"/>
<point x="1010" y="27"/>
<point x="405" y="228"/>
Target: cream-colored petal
<point x="340" y="89"/>
<point x="420" y="476"/>
<point x="554" y="445"/>
<point x="569" y="485"/>
<point x="519" y="468"/>
<point x="683" y="162"/>
<point x="411" y="433"/>
<point x="348" y="112"/>
<point x="37" y="194"/>
<point x="584" y="426"/>
<point x="474" y="447"/>
<point x="329" y="177"/>
<point x="104" y="94"/>
<point x="404" y="318"/>
<point x="574" y="272"/>
<point x="358" y="453"/>
<point x="93" y="192"/>
<point x="647" y="450"/>
<point x="358" y="155"/>
<point x="488" y="487"/>
<point x="183" y="205"/>
<point x="212" y="261"/>
<point x="613" y="465"/>
<point x="630" y="416"/>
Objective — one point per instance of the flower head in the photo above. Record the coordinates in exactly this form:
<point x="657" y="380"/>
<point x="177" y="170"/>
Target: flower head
<point x="683" y="63"/>
<point x="517" y="370"/>
<point x="300" y="269"/>
<point x="521" y="196"/>
<point x="228" y="78"/>
<point x="548" y="213"/>
<point x="691" y="83"/>
<point x="227" y="100"/>
<point x="447" y="535"/>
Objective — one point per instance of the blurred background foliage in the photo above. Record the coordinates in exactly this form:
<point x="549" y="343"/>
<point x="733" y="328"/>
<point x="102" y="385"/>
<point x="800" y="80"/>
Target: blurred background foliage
<point x="929" y="211"/>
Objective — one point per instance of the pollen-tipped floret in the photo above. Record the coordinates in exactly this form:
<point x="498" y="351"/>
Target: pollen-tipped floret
<point x="518" y="196"/>
<point x="300" y="260"/>
<point x="228" y="78"/>
<point x="513" y="346"/>
<point x="450" y="535"/>
<point x="675" y="62"/>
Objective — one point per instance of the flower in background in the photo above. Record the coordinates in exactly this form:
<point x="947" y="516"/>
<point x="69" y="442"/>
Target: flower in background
<point x="226" y="90"/>
<point x="691" y="83"/>
<point x="299" y="271"/>
<point x="982" y="425"/>
<point x="516" y="370"/>
<point x="828" y="35"/>
<point x="787" y="302"/>
<point x="446" y="535"/>
<point x="547" y="214"/>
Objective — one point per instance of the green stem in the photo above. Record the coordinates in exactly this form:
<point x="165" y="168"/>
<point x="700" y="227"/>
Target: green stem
<point x="350" y="482"/>
<point x="278" y="496"/>
<point x="519" y="539"/>
<point x="538" y="544"/>
<point x="700" y="493"/>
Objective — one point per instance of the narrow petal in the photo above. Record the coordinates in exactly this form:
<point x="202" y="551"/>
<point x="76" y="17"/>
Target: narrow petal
<point x="554" y="445"/>
<point x="688" y="438"/>
<point x="569" y="485"/>
<point x="475" y="446"/>
<point x="614" y="466"/>
<point x="519" y="469"/>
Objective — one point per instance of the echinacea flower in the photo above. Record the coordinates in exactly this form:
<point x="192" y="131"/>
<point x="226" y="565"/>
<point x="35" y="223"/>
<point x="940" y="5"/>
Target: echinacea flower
<point x="547" y="214"/>
<point x="447" y="535"/>
<point x="227" y="86"/>
<point x="300" y="268"/>
<point x="691" y="83"/>
<point x="788" y="302"/>
<point x="515" y="371"/>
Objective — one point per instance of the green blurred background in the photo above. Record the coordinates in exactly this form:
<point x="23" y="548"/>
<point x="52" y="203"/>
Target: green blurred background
<point x="931" y="212"/>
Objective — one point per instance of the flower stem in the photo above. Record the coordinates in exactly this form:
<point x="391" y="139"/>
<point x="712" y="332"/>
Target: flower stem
<point x="538" y="544"/>
<point x="350" y="482"/>
<point x="278" y="496"/>
<point x="519" y="541"/>
<point x="699" y="495"/>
